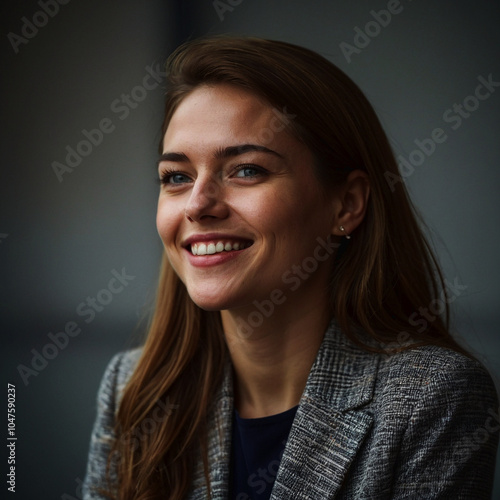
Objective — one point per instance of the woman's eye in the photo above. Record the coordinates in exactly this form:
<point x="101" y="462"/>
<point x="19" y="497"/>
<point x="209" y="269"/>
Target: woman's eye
<point x="174" y="178"/>
<point x="248" y="171"/>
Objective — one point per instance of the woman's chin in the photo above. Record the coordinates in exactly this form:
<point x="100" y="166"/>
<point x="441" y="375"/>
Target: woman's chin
<point x="210" y="302"/>
<point x="209" y="307"/>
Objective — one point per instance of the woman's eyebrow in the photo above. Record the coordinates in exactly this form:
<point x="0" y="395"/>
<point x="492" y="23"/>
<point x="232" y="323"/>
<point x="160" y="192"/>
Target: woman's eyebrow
<point x="243" y="148"/>
<point x="177" y="157"/>
<point x="221" y="153"/>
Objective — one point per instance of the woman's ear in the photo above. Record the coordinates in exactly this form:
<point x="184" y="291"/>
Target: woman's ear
<point x="352" y="203"/>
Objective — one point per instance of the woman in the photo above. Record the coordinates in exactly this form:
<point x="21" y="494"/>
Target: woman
<point x="288" y="356"/>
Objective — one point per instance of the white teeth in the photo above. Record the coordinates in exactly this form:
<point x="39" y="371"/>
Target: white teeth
<point x="212" y="248"/>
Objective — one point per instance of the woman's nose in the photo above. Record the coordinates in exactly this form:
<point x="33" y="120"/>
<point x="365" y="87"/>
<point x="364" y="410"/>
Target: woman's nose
<point x="206" y="199"/>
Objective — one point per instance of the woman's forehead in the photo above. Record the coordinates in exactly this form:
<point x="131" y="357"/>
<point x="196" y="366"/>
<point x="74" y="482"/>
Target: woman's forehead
<point x="211" y="113"/>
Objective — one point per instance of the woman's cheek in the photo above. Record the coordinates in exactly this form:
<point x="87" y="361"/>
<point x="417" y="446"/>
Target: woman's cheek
<point x="163" y="223"/>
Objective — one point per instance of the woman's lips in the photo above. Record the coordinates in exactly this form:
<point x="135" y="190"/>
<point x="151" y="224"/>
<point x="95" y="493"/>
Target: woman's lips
<point x="217" y="251"/>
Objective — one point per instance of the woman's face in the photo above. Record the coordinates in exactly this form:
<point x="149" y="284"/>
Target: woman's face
<point x="241" y="213"/>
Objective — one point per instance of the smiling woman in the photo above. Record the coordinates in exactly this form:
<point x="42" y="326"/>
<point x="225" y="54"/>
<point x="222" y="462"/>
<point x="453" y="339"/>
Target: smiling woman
<point x="281" y="360"/>
<point x="220" y="188"/>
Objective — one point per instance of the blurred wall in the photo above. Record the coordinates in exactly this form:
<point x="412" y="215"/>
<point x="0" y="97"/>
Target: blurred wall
<point x="87" y="84"/>
<point x="85" y="89"/>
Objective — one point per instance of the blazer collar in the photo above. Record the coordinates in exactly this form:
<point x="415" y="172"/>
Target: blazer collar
<point x="343" y="375"/>
<point x="326" y="434"/>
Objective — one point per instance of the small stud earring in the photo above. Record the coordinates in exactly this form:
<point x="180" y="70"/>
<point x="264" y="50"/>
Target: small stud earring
<point x="347" y="236"/>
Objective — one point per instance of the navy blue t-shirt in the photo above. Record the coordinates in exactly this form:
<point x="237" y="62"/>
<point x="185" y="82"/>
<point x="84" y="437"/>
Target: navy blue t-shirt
<point x="257" y="447"/>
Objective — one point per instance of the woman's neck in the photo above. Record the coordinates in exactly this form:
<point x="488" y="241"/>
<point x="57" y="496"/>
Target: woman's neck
<point x="272" y="361"/>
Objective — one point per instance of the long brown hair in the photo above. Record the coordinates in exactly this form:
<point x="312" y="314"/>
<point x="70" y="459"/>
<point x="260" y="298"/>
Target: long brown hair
<point x="385" y="274"/>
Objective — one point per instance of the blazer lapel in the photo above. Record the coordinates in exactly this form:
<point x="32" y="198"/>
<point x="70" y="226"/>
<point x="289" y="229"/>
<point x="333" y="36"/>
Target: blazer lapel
<point x="330" y="424"/>
<point x="328" y="430"/>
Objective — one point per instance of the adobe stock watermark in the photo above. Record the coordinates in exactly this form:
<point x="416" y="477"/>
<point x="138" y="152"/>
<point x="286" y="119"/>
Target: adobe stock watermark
<point x="474" y="440"/>
<point x="278" y="123"/>
<point x="122" y="107"/>
<point x="161" y="412"/>
<point x="455" y="116"/>
<point x="30" y="28"/>
<point x="293" y="278"/>
<point x="78" y="491"/>
<point x="424" y="316"/>
<point x="221" y="7"/>
<point x="461" y="451"/>
<point x="363" y="36"/>
<point x="88" y="310"/>
<point x="258" y="480"/>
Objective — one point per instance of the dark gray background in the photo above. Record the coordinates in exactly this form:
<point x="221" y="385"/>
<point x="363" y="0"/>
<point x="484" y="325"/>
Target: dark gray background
<point x="60" y="241"/>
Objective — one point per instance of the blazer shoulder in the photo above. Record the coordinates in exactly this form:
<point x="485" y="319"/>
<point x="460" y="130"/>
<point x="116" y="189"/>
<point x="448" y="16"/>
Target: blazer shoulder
<point x="124" y="363"/>
<point x="436" y="369"/>
<point x="115" y="378"/>
<point x="447" y="404"/>
<point x="430" y="359"/>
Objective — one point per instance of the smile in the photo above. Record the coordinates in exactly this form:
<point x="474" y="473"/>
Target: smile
<point x="213" y="247"/>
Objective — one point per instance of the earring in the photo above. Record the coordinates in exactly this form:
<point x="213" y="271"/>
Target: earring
<point x="347" y="236"/>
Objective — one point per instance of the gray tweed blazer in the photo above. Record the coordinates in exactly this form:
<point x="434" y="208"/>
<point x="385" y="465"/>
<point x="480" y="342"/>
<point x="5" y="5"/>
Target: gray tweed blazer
<point x="421" y="424"/>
